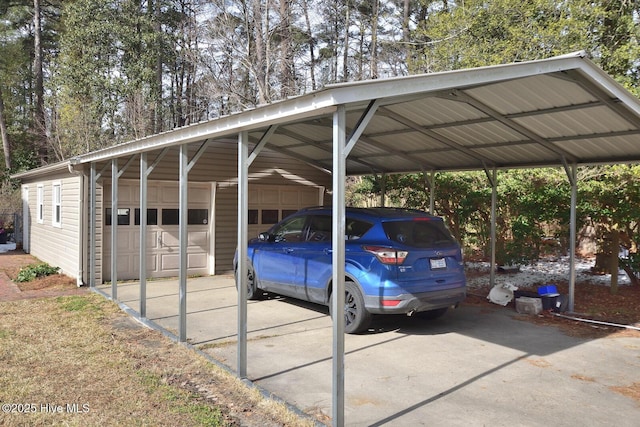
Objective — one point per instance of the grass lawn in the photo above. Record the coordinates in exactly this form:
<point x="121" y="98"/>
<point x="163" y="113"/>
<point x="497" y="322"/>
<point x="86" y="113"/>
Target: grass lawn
<point x="79" y="360"/>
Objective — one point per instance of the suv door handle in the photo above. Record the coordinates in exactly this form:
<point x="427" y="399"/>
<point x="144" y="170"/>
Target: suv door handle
<point x="288" y="250"/>
<point x="328" y="251"/>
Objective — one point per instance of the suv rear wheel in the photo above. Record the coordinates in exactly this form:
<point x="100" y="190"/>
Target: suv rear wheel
<point x="356" y="317"/>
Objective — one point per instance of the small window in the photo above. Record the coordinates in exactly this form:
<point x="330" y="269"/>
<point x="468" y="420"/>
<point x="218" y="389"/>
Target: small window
<point x="170" y="216"/>
<point x="40" y="206"/>
<point x="253" y="216"/>
<point x="124" y="216"/>
<point x="57" y="204"/>
<point x="198" y="216"/>
<point x="269" y="216"/>
<point x="152" y="216"/>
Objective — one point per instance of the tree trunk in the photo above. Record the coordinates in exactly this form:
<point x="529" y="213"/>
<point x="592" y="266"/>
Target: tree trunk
<point x="312" y="59"/>
<point x="40" y="128"/>
<point x="5" y="136"/>
<point x="287" y="87"/>
<point x="345" y="53"/>
<point x="613" y="261"/>
<point x="405" y="24"/>
<point x="158" y="119"/>
<point x="257" y="52"/>
<point x="374" y="40"/>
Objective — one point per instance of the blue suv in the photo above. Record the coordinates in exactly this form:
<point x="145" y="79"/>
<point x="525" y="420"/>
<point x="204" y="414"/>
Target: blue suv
<point x="398" y="261"/>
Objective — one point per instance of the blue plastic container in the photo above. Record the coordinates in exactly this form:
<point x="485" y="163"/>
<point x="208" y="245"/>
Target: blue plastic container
<point x="548" y="290"/>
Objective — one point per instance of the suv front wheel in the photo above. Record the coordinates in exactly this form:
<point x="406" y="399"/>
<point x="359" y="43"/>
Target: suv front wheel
<point x="253" y="292"/>
<point x="356" y="316"/>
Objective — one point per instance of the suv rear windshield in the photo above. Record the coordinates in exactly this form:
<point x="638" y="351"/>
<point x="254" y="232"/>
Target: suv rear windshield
<point x="420" y="234"/>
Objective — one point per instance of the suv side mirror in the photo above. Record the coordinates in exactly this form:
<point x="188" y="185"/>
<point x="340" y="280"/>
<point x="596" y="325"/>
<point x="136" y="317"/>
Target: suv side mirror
<point x="265" y="237"/>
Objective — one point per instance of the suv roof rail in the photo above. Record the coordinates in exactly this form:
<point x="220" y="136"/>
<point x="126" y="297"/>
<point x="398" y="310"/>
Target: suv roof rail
<point x="374" y="211"/>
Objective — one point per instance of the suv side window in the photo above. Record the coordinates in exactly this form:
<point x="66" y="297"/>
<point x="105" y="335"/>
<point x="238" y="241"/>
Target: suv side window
<point x="291" y="230"/>
<point x="356" y="228"/>
<point x="320" y="228"/>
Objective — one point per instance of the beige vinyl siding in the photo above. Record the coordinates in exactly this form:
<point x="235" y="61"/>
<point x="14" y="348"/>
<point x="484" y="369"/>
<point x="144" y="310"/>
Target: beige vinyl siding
<point x="226" y="226"/>
<point x="99" y="231"/>
<point x="59" y="246"/>
<point x="269" y="169"/>
<point x="276" y="197"/>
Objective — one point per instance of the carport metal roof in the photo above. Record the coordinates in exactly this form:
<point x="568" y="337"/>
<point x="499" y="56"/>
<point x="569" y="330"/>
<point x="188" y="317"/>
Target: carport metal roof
<point x="540" y="113"/>
<point x="558" y="111"/>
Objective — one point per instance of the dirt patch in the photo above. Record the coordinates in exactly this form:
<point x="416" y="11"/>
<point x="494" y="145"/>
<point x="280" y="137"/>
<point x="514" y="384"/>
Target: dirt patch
<point x="632" y="391"/>
<point x="12" y="262"/>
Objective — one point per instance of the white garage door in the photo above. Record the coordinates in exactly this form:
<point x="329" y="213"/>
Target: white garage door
<point x="163" y="252"/>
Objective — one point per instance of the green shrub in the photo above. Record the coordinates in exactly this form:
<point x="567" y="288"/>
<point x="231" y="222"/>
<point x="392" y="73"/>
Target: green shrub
<point x="33" y="271"/>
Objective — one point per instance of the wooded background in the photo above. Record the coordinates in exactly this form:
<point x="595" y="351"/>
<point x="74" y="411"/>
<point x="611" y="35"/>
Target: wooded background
<point x="80" y="75"/>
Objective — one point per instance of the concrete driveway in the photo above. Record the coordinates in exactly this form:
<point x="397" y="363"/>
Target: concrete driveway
<point x="474" y="366"/>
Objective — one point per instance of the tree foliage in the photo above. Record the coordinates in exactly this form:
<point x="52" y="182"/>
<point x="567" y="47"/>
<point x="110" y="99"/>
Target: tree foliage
<point x="117" y="70"/>
<point x="475" y="33"/>
<point x="79" y="75"/>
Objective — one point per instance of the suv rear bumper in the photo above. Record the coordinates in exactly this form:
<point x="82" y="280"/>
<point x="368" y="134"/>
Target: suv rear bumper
<point x="424" y="301"/>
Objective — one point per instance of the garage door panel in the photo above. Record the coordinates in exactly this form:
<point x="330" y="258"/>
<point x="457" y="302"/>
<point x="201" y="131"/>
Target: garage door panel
<point x="169" y="262"/>
<point x="125" y="195"/>
<point x="198" y="195"/>
<point x="125" y="240"/>
<point x="169" y="195"/>
<point x="136" y="240"/>
<point x="197" y="260"/>
<point x="125" y="266"/>
<point x="170" y="239"/>
<point x="254" y="196"/>
<point x="152" y="240"/>
<point x="152" y="263"/>
<point x="309" y="198"/>
<point x="152" y="195"/>
<point x="290" y="197"/>
<point x="199" y="239"/>
<point x="270" y="196"/>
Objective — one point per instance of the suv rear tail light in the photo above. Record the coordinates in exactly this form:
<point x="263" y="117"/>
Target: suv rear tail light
<point x="386" y="255"/>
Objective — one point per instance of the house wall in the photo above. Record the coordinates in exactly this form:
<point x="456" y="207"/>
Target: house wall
<point x="60" y="246"/>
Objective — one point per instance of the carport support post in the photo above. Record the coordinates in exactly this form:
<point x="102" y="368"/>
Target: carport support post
<point x="338" y="259"/>
<point x="114" y="229"/>
<point x="143" y="235"/>
<point x="572" y="174"/>
<point x="183" y="237"/>
<point x="243" y="233"/>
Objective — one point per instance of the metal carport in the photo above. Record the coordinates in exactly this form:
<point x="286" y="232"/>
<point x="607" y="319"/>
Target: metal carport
<point x="562" y="111"/>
